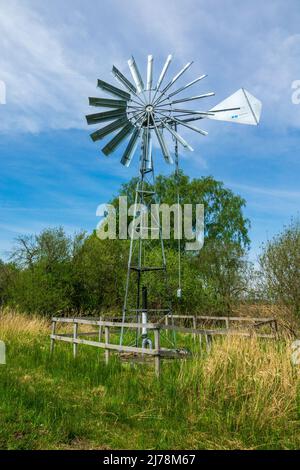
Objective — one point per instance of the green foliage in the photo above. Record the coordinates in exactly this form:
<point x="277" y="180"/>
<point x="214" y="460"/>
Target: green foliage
<point x="280" y="264"/>
<point x="53" y="272"/>
<point x="99" y="274"/>
<point x="223" y="266"/>
<point x="223" y="210"/>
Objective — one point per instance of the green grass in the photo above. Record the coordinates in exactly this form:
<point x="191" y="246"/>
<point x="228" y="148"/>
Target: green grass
<point x="243" y="395"/>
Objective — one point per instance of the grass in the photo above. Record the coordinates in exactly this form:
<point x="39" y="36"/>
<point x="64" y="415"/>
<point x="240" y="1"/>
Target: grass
<point x="244" y="395"/>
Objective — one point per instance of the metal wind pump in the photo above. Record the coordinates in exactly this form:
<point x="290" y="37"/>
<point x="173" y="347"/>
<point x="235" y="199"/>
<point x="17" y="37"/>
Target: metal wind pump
<point x="137" y="113"/>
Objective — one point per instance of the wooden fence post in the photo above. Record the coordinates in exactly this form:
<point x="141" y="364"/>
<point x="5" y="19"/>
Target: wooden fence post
<point x="227" y="323"/>
<point x="75" y="345"/>
<point x="275" y="323"/>
<point x="194" y="326"/>
<point x="53" y="328"/>
<point x="157" y="347"/>
<point x="167" y="323"/>
<point x="106" y="333"/>
<point x="100" y="330"/>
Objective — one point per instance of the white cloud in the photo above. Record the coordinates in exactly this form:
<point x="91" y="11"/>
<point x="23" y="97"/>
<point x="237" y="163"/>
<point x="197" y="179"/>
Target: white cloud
<point x="52" y="53"/>
<point x="44" y="89"/>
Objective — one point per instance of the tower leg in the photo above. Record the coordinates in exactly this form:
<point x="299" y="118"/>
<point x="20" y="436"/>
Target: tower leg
<point x="138" y="267"/>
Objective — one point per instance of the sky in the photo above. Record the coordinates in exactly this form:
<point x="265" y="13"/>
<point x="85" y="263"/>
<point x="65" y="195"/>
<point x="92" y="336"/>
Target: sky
<point x="52" y="54"/>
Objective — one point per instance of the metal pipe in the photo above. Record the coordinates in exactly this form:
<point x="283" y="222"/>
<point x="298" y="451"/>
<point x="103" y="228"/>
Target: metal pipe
<point x="144" y="312"/>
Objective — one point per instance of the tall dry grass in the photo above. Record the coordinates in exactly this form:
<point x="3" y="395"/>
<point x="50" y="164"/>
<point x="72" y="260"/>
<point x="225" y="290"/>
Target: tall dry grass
<point x="13" y="323"/>
<point x="248" y="386"/>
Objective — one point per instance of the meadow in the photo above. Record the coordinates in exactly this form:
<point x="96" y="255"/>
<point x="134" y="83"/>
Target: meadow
<point x="243" y="395"/>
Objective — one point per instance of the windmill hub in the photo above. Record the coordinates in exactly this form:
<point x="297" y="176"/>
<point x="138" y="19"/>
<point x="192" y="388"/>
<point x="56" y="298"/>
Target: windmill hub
<point x="149" y="108"/>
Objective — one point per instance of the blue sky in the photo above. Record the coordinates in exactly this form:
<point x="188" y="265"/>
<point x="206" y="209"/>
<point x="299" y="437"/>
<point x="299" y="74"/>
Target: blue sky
<point x="50" y="57"/>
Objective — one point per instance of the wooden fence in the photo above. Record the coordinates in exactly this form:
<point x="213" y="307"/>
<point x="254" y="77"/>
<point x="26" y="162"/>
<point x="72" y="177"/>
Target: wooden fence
<point x="157" y="352"/>
<point x="248" y="322"/>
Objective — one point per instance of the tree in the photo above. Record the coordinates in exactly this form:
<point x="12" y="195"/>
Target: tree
<point x="43" y="281"/>
<point x="280" y="265"/>
<point x="223" y="267"/>
<point x="217" y="272"/>
<point x="7" y="273"/>
<point x="223" y="210"/>
<point x="99" y="270"/>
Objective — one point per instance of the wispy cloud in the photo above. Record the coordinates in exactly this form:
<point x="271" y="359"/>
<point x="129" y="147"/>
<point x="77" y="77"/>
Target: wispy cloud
<point x="53" y="52"/>
<point x="273" y="192"/>
<point x="50" y="59"/>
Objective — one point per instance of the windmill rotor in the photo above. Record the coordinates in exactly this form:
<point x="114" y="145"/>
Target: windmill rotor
<point x="140" y="109"/>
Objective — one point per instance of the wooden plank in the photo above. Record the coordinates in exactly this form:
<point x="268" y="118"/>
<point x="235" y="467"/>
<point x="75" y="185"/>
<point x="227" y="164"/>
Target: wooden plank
<point x="113" y="347"/>
<point x="180" y="316"/>
<point x="264" y="322"/>
<point x="183" y="329"/>
<point x="148" y="310"/>
<point x="156" y="325"/>
<point x="91" y="333"/>
<point x="241" y="319"/>
<point x="81" y="321"/>
<point x="212" y="332"/>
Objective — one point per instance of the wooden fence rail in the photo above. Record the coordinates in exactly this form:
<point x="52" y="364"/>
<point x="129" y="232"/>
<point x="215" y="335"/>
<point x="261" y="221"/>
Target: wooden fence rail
<point x="157" y="352"/>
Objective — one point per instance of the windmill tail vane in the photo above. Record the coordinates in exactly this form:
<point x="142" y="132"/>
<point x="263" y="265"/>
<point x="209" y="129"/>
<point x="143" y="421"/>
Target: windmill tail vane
<point x="138" y="111"/>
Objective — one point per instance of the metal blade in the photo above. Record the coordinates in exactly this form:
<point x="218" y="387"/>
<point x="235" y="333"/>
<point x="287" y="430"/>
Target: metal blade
<point x="149" y="72"/>
<point x="147" y="149"/>
<point x="118" y="139"/>
<point x="106" y="116"/>
<point x="113" y="90"/>
<point x="107" y="103"/>
<point x="184" y="69"/>
<point x="100" y="133"/>
<point x="193" y="128"/>
<point x="178" y="137"/>
<point x="192" y="98"/>
<point x="163" y="145"/>
<point x="164" y="71"/>
<point x="131" y="148"/>
<point x="187" y="85"/>
<point x="122" y="79"/>
<point x="136" y="75"/>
